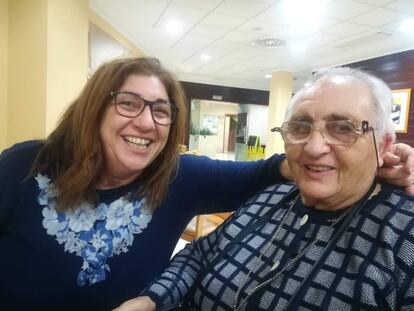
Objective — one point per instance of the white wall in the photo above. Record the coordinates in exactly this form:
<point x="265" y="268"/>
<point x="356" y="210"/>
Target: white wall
<point x="102" y="48"/>
<point x="256" y="120"/>
<point x="219" y="109"/>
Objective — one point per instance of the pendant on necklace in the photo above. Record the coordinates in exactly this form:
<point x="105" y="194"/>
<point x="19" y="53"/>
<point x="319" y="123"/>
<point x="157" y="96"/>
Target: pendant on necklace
<point x="303" y="220"/>
<point x="275" y="265"/>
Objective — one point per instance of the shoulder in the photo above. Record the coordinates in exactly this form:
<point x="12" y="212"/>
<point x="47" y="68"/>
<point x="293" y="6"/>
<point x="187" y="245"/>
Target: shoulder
<point x="274" y="193"/>
<point x="21" y="150"/>
<point x="396" y="201"/>
<point x="393" y="215"/>
<point x="267" y="198"/>
<point x="18" y="159"/>
<point x="15" y="164"/>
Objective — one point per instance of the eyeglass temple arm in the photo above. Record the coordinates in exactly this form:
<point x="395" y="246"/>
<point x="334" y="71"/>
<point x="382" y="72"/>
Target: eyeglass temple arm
<point x="365" y="126"/>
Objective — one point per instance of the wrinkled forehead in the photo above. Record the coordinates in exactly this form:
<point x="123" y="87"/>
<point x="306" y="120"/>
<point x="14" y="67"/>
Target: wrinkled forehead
<point x="337" y="96"/>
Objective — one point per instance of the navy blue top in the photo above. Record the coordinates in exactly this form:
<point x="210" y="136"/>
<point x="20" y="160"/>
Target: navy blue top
<point x="370" y="267"/>
<point x="98" y="256"/>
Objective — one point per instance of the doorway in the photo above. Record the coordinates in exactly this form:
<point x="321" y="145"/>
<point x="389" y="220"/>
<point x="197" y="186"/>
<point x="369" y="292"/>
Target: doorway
<point x="230" y="132"/>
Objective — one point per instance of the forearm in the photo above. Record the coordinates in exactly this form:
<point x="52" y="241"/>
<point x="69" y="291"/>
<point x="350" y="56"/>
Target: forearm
<point x="227" y="184"/>
<point x="175" y="282"/>
<point x="186" y="268"/>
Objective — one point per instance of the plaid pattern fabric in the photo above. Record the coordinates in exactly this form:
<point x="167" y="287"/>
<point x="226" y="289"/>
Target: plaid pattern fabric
<point x="370" y="268"/>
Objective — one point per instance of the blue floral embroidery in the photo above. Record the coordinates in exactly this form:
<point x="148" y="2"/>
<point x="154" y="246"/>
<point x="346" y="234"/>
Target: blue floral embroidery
<point x="95" y="234"/>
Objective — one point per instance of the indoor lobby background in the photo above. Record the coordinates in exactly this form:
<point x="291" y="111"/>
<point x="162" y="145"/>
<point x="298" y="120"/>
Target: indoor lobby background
<point x="49" y="47"/>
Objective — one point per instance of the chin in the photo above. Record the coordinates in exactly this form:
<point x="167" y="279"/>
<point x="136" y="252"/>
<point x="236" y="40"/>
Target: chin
<point x="316" y="192"/>
<point x="135" y="167"/>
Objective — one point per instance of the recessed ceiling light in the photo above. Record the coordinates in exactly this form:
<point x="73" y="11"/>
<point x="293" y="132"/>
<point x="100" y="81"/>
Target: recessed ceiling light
<point x="268" y="76"/>
<point x="174" y="26"/>
<point x="407" y="26"/>
<point x="205" y="57"/>
<point x="309" y="17"/>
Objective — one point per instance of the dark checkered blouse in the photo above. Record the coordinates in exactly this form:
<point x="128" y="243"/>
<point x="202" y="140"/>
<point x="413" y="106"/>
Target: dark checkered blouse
<point x="370" y="268"/>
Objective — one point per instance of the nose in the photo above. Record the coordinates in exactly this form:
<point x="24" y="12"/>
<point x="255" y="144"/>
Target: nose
<point x="144" y="120"/>
<point x="316" y="144"/>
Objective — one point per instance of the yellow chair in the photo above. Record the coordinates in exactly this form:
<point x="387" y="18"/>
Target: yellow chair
<point x="203" y="224"/>
<point x="207" y="223"/>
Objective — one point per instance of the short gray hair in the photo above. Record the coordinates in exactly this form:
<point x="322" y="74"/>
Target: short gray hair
<point x="381" y="96"/>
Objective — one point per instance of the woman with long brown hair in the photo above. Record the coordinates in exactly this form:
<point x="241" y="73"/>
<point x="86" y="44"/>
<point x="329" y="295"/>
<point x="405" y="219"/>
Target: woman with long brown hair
<point x="90" y="215"/>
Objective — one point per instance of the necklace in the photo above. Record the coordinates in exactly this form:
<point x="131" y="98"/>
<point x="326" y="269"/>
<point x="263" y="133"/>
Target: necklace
<point x="306" y="249"/>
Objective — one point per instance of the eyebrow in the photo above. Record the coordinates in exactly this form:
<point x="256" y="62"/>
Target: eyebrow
<point x="337" y="117"/>
<point x="330" y="117"/>
<point x="142" y="97"/>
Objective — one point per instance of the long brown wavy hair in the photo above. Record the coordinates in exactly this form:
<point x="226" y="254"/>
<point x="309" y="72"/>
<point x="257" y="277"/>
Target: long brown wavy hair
<point x="73" y="154"/>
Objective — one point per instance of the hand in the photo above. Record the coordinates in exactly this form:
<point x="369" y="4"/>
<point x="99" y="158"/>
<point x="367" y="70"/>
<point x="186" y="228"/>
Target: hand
<point x="398" y="168"/>
<point x="142" y="303"/>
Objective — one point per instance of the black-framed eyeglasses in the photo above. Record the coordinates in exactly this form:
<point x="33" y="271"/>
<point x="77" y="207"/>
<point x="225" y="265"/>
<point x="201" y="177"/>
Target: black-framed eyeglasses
<point x="337" y="132"/>
<point x="131" y="105"/>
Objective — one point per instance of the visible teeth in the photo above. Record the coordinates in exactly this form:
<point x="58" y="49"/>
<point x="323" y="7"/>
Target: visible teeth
<point x="135" y="141"/>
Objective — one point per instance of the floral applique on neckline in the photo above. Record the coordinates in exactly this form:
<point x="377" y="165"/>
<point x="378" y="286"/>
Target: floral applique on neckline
<point x="95" y="234"/>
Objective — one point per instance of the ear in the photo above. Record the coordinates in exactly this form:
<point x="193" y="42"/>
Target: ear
<point x="384" y="146"/>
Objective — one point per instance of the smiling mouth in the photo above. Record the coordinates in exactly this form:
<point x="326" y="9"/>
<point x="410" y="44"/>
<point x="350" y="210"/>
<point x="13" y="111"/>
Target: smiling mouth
<point x="318" y="168"/>
<point x="136" y="142"/>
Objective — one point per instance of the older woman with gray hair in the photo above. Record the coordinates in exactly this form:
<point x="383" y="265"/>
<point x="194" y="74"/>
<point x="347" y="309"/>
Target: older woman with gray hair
<point x="339" y="240"/>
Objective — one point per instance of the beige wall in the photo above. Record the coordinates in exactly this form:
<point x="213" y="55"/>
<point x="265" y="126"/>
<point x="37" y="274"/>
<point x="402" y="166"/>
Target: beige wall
<point x="27" y="70"/>
<point x="4" y="21"/>
<point x="67" y="56"/>
<point x="43" y="63"/>
<point x="281" y="87"/>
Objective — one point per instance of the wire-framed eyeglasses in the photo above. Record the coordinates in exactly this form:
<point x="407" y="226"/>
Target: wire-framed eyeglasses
<point x="337" y="132"/>
<point x="131" y="105"/>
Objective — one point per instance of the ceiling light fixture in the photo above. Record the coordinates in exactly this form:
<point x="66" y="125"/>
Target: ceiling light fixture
<point x="308" y="17"/>
<point x="268" y="76"/>
<point x="205" y="57"/>
<point x="407" y="26"/>
<point x="174" y="26"/>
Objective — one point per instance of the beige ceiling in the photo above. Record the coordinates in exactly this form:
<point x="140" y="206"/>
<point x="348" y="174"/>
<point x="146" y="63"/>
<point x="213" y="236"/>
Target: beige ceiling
<point x="340" y="32"/>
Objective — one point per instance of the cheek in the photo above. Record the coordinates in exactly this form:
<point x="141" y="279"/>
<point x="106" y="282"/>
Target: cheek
<point x="109" y="122"/>
<point x="293" y="154"/>
<point x="104" y="131"/>
<point x="164" y="135"/>
<point x="358" y="165"/>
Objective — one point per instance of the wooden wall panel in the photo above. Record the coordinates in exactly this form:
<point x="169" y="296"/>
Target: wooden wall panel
<point x="228" y="94"/>
<point x="397" y="70"/>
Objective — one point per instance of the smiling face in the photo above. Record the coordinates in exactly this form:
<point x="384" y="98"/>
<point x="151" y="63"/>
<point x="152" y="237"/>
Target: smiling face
<point x="131" y="144"/>
<point x="334" y="176"/>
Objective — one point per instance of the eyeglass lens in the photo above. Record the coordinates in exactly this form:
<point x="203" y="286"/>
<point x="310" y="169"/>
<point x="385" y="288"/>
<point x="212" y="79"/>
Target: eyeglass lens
<point x="334" y="132"/>
<point x="130" y="105"/>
